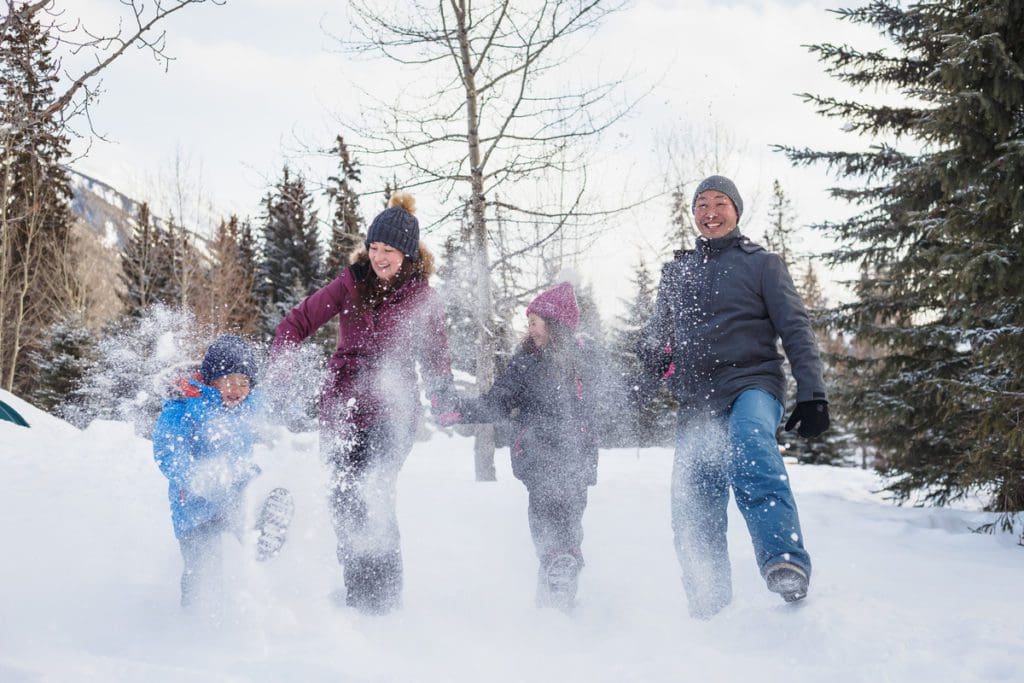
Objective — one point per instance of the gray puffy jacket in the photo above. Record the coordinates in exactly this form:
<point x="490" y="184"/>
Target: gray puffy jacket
<point x="721" y="309"/>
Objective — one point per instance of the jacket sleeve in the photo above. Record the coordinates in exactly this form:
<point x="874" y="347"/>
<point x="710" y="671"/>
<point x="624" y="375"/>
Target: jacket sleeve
<point x="793" y="325"/>
<point x="656" y="344"/>
<point x="504" y="396"/>
<point x="310" y="315"/>
<point x="172" y="441"/>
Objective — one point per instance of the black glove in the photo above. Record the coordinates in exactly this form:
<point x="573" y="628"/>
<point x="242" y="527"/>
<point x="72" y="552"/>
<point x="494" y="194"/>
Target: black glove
<point x="812" y="417"/>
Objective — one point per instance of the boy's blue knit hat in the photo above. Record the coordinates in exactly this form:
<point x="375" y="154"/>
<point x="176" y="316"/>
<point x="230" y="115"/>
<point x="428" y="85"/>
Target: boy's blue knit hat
<point x="720" y="183"/>
<point x="228" y="355"/>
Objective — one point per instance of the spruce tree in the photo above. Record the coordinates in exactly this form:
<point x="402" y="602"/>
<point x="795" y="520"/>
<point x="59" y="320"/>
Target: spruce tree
<point x="649" y="410"/>
<point x="837" y="445"/>
<point x="232" y="279"/>
<point x="67" y="355"/>
<point x="346" y="221"/>
<point x="939" y="241"/>
<point x="142" y="268"/>
<point x="590" y="323"/>
<point x="608" y="386"/>
<point x="681" y="228"/>
<point x="457" y="289"/>
<point x="290" y="267"/>
<point x="35" y="218"/>
<point x="779" y="236"/>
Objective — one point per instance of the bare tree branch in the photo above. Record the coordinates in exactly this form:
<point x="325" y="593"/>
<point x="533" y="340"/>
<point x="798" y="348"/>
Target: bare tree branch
<point x="144" y="22"/>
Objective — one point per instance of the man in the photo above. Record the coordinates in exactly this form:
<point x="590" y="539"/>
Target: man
<point x="721" y="309"/>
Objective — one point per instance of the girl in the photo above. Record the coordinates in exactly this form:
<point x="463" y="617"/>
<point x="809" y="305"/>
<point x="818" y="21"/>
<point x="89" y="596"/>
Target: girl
<point x="550" y="392"/>
<point x="389" y="318"/>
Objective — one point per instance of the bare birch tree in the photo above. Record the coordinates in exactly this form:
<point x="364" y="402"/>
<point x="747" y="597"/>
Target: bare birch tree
<point x="499" y="118"/>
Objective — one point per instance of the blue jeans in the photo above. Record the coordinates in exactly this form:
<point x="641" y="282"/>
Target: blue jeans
<point x="714" y="453"/>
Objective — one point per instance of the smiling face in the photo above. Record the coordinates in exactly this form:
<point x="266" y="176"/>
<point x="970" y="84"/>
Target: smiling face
<point x="538" y="330"/>
<point x="714" y="214"/>
<point x="233" y="388"/>
<point x="385" y="260"/>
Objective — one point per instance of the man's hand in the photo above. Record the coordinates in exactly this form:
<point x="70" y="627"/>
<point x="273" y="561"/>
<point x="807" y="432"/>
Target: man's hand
<point x="812" y="416"/>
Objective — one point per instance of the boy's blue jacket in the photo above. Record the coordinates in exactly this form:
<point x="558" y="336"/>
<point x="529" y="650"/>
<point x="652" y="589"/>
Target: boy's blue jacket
<point x="205" y="451"/>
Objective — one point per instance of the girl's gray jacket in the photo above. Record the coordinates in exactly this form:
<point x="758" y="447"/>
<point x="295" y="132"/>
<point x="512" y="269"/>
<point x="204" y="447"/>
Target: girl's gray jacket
<point x="554" y="439"/>
<point x="721" y="310"/>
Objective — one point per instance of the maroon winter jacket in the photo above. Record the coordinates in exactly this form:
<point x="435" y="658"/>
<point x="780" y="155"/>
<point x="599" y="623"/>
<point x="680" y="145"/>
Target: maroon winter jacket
<point x="372" y="372"/>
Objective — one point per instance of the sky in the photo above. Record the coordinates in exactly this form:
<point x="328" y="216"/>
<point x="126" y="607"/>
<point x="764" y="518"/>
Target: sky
<point x="90" y="570"/>
<point x="255" y="84"/>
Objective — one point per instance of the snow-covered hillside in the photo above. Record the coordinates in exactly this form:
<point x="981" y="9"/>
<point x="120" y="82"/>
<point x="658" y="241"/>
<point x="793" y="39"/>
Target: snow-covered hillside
<point x="89" y="574"/>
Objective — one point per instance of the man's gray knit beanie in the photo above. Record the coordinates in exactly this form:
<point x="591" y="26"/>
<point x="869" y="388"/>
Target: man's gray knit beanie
<point x="720" y="183"/>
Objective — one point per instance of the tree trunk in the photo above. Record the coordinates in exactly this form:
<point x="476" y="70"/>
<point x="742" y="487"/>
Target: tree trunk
<point x="484" y="446"/>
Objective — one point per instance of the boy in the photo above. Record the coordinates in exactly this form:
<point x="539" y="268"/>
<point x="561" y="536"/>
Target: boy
<point x="203" y="444"/>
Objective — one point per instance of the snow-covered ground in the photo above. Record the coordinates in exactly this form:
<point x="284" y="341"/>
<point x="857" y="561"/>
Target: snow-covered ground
<point x="89" y="574"/>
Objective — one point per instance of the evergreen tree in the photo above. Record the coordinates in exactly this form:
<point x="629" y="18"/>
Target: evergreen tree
<point x="66" y="357"/>
<point x="248" y="258"/>
<point x="347" y="223"/>
<point x="590" y="323"/>
<point x="457" y="290"/>
<point x="836" y="446"/>
<point x="35" y="219"/>
<point x="233" y="278"/>
<point x="681" y="228"/>
<point x="940" y="243"/>
<point x="649" y="418"/>
<point x="181" y="266"/>
<point x="142" y="266"/>
<point x="290" y="268"/>
<point x="779" y="236"/>
<point x="137" y="361"/>
<point x="612" y="398"/>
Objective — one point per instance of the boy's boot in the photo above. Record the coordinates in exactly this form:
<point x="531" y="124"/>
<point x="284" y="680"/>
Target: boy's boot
<point x="275" y="516"/>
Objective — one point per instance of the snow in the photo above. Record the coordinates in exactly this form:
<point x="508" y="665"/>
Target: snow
<point x="89" y="580"/>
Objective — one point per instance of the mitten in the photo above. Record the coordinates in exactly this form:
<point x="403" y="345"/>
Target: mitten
<point x="812" y="416"/>
<point x="446" y="410"/>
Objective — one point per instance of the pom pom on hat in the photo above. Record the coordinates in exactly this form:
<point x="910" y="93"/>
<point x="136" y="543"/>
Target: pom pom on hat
<point x="396" y="226"/>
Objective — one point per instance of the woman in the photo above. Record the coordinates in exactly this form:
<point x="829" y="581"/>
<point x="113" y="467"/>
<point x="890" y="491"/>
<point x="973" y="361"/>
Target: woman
<point x="389" y="318"/>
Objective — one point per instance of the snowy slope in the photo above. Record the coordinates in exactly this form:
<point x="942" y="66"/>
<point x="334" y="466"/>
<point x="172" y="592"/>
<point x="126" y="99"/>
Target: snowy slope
<point x="89" y="571"/>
